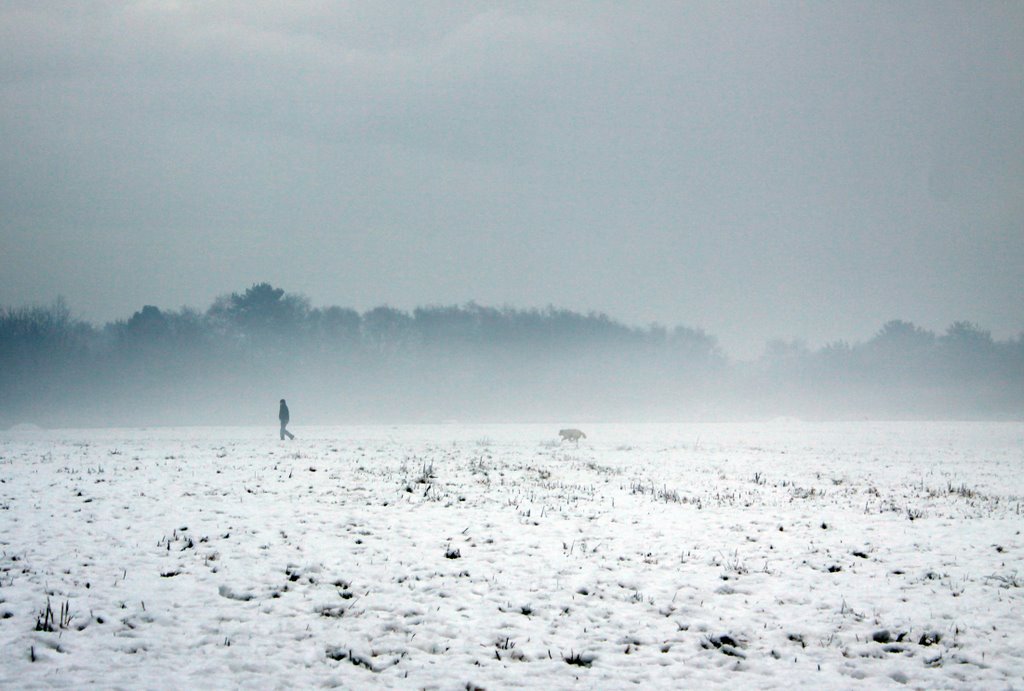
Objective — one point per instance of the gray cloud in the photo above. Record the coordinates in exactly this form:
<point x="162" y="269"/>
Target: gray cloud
<point x="755" y="170"/>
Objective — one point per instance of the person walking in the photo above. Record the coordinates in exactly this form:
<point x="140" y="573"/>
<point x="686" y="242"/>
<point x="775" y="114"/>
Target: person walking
<point x="283" y="416"/>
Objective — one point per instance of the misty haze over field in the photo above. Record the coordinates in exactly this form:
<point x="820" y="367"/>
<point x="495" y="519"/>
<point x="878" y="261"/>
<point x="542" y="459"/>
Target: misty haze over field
<point x="735" y="210"/>
<point x="230" y="364"/>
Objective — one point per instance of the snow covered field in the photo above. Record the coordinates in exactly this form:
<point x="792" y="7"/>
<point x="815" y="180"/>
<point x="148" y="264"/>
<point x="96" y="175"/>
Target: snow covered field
<point x="857" y="555"/>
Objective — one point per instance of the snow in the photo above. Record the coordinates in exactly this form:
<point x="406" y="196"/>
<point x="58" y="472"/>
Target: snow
<point x="852" y="555"/>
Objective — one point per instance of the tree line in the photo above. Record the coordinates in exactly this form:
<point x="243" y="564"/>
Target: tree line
<point x="433" y="363"/>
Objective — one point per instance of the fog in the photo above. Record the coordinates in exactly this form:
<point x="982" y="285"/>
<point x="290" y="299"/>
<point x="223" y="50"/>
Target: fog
<point x="735" y="210"/>
<point x="231" y="362"/>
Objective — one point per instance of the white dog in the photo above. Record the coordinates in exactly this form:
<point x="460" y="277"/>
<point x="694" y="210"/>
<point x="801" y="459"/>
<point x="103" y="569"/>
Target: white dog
<point x="571" y="435"/>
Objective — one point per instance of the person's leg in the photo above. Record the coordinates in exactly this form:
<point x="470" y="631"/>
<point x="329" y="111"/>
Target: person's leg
<point x="283" y="431"/>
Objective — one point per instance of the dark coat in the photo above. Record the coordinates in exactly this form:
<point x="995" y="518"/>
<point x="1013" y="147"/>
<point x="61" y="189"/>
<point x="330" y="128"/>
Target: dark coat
<point x="282" y="415"/>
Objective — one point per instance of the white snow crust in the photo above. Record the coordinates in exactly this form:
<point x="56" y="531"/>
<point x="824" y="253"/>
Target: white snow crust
<point x="817" y="555"/>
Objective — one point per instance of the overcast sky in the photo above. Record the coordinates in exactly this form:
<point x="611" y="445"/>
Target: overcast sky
<point x="797" y="170"/>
